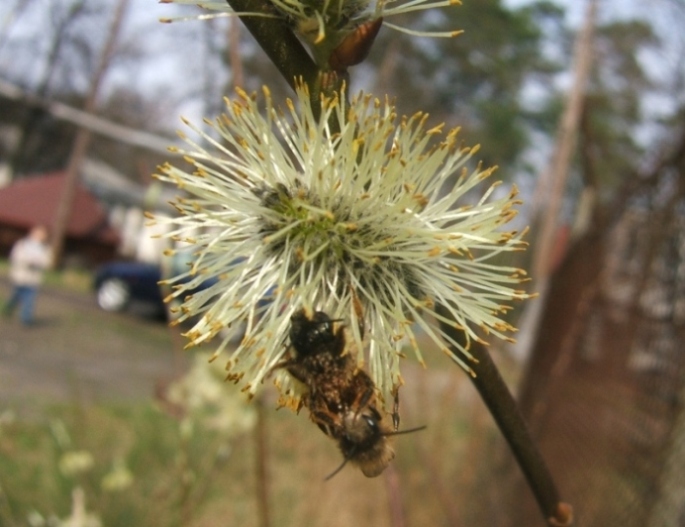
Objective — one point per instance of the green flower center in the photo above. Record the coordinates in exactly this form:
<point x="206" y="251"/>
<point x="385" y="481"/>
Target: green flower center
<point x="301" y="231"/>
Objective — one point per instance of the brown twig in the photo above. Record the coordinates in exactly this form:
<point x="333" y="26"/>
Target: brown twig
<point x="509" y="419"/>
<point x="278" y="42"/>
<point x="293" y="61"/>
<point x="287" y="53"/>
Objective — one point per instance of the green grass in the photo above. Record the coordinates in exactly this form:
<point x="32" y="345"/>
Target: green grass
<point x="170" y="466"/>
<point x="191" y="476"/>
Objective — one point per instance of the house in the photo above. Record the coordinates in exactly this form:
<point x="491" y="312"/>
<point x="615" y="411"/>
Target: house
<point x="26" y="202"/>
<point x="126" y="201"/>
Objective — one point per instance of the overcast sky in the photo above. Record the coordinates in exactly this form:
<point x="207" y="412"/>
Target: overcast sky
<point x="141" y="24"/>
<point x="170" y="58"/>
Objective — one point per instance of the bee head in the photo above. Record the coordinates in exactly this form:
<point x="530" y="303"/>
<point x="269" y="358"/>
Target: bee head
<point x="363" y="427"/>
<point x="365" y="442"/>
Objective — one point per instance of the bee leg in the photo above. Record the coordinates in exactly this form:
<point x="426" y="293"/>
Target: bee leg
<point x="279" y="365"/>
<point x="326" y="422"/>
<point x="365" y="398"/>
<point x="294" y="368"/>
<point x="396" y="409"/>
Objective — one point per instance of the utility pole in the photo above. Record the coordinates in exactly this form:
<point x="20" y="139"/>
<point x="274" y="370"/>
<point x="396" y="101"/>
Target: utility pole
<point x="82" y="140"/>
<point x="567" y="134"/>
<point x="552" y="183"/>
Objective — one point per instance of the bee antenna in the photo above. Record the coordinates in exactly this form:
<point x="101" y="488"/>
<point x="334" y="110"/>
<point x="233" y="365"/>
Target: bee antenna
<point x="342" y="465"/>
<point x="408" y="431"/>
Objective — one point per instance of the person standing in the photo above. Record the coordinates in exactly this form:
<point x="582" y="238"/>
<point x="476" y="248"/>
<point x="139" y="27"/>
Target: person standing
<point x="29" y="259"/>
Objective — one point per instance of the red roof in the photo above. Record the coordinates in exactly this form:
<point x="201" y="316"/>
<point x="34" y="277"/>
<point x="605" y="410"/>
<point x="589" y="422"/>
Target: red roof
<point x="33" y="201"/>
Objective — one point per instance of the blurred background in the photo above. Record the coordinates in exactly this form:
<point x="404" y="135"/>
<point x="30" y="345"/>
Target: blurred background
<point x="105" y="420"/>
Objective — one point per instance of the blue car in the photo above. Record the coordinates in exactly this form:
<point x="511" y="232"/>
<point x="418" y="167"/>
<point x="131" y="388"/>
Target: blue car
<point x="118" y="284"/>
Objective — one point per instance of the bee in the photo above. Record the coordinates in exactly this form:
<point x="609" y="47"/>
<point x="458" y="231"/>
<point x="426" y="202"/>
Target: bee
<point x="364" y="442"/>
<point x="341" y="397"/>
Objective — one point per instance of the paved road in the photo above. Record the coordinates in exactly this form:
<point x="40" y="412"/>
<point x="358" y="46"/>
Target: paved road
<point x="78" y="352"/>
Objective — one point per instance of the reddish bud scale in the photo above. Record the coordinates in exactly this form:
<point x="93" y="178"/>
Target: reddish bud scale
<point x="355" y="47"/>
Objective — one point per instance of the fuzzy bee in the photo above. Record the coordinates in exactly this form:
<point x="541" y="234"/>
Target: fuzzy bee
<point x="341" y="397"/>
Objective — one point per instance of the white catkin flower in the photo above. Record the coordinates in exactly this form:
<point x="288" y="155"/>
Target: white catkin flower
<point x="79" y="516"/>
<point x="206" y="398"/>
<point x="119" y="477"/>
<point x="74" y="462"/>
<point x="325" y="24"/>
<point x="368" y="212"/>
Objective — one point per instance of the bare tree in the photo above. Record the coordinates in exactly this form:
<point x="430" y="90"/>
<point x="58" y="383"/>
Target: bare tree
<point x="61" y="37"/>
<point x="83" y="137"/>
<point x="10" y="18"/>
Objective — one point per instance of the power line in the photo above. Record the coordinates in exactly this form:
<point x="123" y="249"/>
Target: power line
<point x="95" y="124"/>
